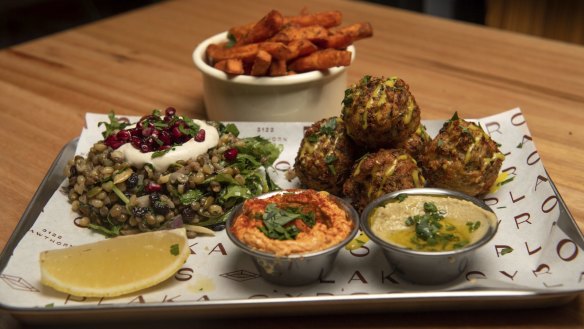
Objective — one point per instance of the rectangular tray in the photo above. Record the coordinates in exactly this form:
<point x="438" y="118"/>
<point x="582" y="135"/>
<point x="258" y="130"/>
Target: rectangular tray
<point x="494" y="298"/>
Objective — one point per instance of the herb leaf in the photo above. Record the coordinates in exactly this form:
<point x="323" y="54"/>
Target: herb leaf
<point x="365" y="80"/>
<point x="157" y="154"/>
<point x="113" y="232"/>
<point x="348" y="99"/>
<point x="328" y="128"/>
<point x="113" y="126"/>
<point x="430" y="233"/>
<point x="229" y="128"/>
<point x="190" y="196"/>
<point x="473" y="226"/>
<point x="264" y="151"/>
<point x="330" y="160"/>
<point x="174" y="249"/>
<point x="275" y="221"/>
<point x="231" y="40"/>
<point x="401" y="197"/>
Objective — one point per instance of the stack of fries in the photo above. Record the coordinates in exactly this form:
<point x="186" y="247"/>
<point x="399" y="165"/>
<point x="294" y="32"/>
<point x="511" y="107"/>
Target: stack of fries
<point x="279" y="46"/>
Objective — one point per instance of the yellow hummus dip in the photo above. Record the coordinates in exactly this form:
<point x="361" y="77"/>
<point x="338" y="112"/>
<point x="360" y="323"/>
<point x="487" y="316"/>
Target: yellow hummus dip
<point x="292" y="223"/>
<point x="431" y="223"/>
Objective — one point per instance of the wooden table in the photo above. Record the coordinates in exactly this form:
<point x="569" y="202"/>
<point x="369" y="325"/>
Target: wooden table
<point x="141" y="60"/>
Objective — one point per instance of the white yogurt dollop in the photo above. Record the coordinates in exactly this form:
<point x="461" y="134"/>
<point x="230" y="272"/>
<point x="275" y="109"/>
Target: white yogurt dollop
<point x="188" y="150"/>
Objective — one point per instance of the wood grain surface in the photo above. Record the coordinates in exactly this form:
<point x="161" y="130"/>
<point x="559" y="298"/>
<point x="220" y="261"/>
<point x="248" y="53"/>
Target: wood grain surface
<point x="141" y="60"/>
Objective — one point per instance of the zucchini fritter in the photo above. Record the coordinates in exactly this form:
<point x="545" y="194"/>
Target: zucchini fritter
<point x="325" y="156"/>
<point x="415" y="145"/>
<point x="385" y="171"/>
<point x="380" y="112"/>
<point x="462" y="157"/>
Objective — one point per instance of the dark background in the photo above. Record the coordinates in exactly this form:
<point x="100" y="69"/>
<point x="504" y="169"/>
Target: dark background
<point x="24" y="20"/>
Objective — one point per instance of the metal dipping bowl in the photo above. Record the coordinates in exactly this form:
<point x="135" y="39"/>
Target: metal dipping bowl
<point x="426" y="267"/>
<point x="296" y="269"/>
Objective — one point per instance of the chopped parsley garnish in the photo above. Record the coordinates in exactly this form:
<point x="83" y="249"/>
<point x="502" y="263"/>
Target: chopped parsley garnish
<point x="114" y="230"/>
<point x="113" y="126"/>
<point x="328" y="128"/>
<point x="160" y="153"/>
<point x="330" y="160"/>
<point x="365" y="80"/>
<point x="428" y="233"/>
<point x="348" y="99"/>
<point x="190" y="196"/>
<point x="277" y="221"/>
<point x="401" y="197"/>
<point x="174" y="249"/>
<point x="506" y="250"/>
<point x="229" y="128"/>
<point x="231" y="40"/>
<point x="473" y="226"/>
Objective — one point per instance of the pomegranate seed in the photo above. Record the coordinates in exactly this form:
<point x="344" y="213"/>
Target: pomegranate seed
<point x="151" y="142"/>
<point x="231" y="154"/>
<point x="145" y="148"/>
<point x="110" y="140"/>
<point x="136" y="132"/>
<point x="200" y="137"/>
<point x="165" y="137"/>
<point x="152" y="187"/>
<point x="136" y="142"/>
<point x="170" y="111"/>
<point x="124" y="135"/>
<point x="113" y="142"/>
<point x="176" y="133"/>
<point x="148" y="131"/>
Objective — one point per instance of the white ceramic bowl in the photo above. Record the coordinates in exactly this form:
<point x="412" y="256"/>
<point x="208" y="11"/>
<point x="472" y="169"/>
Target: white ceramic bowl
<point x="308" y="96"/>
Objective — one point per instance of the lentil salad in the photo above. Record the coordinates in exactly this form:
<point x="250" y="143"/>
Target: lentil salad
<point x="114" y="197"/>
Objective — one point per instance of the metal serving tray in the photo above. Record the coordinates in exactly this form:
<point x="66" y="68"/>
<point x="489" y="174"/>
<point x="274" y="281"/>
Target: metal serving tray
<point x="505" y="296"/>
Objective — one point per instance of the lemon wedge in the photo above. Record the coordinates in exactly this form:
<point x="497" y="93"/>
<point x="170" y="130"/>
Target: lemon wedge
<point x="115" y="266"/>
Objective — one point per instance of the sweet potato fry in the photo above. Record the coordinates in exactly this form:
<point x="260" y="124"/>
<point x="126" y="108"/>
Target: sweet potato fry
<point x="326" y="19"/>
<point x="261" y="64"/>
<point x="264" y="29"/>
<point x="357" y="31"/>
<point x="321" y="60"/>
<point x="301" y="47"/>
<point x="245" y="53"/>
<point x="337" y="41"/>
<point x="277" y="45"/>
<point x="277" y="49"/>
<point x="288" y="34"/>
<point x="230" y="66"/>
<point x="278" y="68"/>
<point x="238" y="32"/>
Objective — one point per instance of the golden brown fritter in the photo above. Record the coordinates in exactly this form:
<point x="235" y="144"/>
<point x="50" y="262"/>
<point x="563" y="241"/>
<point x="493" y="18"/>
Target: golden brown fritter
<point x="462" y="157"/>
<point x="385" y="171"/>
<point x="325" y="157"/>
<point x="380" y="112"/>
<point x="416" y="143"/>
